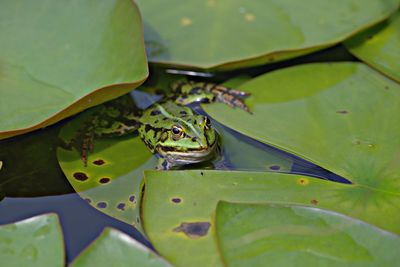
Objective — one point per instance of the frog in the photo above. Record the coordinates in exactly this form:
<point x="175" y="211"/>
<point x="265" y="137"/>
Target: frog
<point x="169" y="128"/>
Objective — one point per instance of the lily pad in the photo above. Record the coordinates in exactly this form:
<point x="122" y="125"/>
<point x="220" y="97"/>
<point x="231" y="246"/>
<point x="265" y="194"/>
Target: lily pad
<point x="281" y="235"/>
<point x="112" y="180"/>
<point x="178" y="206"/>
<point x="66" y="57"/>
<point x="343" y="117"/>
<point x="380" y="47"/>
<point x="114" y="248"/>
<point x="222" y="35"/>
<point x="36" y="241"/>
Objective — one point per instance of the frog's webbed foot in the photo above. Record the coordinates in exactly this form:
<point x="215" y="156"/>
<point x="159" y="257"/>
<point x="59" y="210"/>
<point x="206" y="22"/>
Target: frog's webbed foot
<point x="163" y="164"/>
<point x="187" y="92"/>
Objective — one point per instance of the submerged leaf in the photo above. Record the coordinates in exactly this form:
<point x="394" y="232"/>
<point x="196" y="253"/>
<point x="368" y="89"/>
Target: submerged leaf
<point x="112" y="180"/>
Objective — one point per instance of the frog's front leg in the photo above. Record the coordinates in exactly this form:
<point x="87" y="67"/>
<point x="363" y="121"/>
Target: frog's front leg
<point x="163" y="164"/>
<point x="187" y="92"/>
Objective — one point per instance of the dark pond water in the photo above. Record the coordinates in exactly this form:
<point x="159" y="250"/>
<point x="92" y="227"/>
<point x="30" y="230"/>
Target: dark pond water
<point x="32" y="183"/>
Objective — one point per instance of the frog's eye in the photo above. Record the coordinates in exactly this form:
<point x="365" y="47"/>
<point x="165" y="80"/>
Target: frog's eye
<point x="177" y="131"/>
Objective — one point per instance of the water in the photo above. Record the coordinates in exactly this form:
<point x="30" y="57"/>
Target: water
<point x="32" y="183"/>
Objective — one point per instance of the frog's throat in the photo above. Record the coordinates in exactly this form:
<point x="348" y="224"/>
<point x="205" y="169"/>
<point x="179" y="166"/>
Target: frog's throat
<point x="189" y="156"/>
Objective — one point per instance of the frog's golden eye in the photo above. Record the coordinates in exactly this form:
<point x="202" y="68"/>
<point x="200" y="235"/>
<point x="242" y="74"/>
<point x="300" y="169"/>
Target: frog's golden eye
<point x="177" y="131"/>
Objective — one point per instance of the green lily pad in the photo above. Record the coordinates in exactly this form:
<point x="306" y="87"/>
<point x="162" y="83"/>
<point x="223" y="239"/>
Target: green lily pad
<point x="112" y="180"/>
<point x="222" y="35"/>
<point x="114" y="248"/>
<point x="380" y="47"/>
<point x="281" y="235"/>
<point x="36" y="241"/>
<point x="328" y="121"/>
<point x="66" y="57"/>
<point x="178" y="206"/>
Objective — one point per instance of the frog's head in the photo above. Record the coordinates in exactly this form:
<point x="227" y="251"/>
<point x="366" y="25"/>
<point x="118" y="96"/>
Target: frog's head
<point x="188" y="140"/>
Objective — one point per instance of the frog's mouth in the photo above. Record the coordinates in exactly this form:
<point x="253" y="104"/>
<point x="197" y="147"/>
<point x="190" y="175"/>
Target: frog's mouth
<point x="190" y="156"/>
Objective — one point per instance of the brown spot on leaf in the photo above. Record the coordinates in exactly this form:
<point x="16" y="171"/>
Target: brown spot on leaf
<point x="101" y="205"/>
<point x="176" y="200"/>
<point x="121" y="206"/>
<point x="275" y="167"/>
<point x="80" y="176"/>
<point x="193" y="230"/>
<point x="104" y="180"/>
<point x="99" y="162"/>
<point x="342" y="112"/>
<point x="314" y="201"/>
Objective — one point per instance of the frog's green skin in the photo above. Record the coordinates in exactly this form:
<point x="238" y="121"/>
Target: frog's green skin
<point x="169" y="129"/>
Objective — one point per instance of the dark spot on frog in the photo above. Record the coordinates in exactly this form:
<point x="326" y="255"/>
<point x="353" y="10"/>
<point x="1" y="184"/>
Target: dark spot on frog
<point x="156" y="121"/>
<point x="202" y="173"/>
<point x="121" y="206"/>
<point x="80" y="176"/>
<point x="369" y="37"/>
<point x="314" y="202"/>
<point x="155" y="112"/>
<point x="194" y="139"/>
<point x="387" y="87"/>
<point x="132" y="198"/>
<point x="88" y="200"/>
<point x="101" y="205"/>
<point x="275" y="167"/>
<point x="104" y="180"/>
<point x="165" y="164"/>
<point x="342" y="112"/>
<point x="182" y="112"/>
<point x="195" y="122"/>
<point x="99" y="162"/>
<point x="163" y="136"/>
<point x="176" y="200"/>
<point x="165" y="118"/>
<point x="193" y="230"/>
<point x="137" y="220"/>
<point x="196" y="90"/>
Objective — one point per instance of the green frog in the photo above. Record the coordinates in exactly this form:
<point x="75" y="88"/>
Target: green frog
<point x="169" y="128"/>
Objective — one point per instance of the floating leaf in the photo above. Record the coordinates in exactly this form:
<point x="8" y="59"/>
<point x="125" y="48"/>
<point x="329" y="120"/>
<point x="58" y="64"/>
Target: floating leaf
<point x="112" y="180"/>
<point x="222" y="35"/>
<point x="114" y="248"/>
<point x="36" y="241"/>
<point x="178" y="205"/>
<point x="343" y="117"/>
<point x="281" y="235"/>
<point x="380" y="47"/>
<point x="66" y="57"/>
